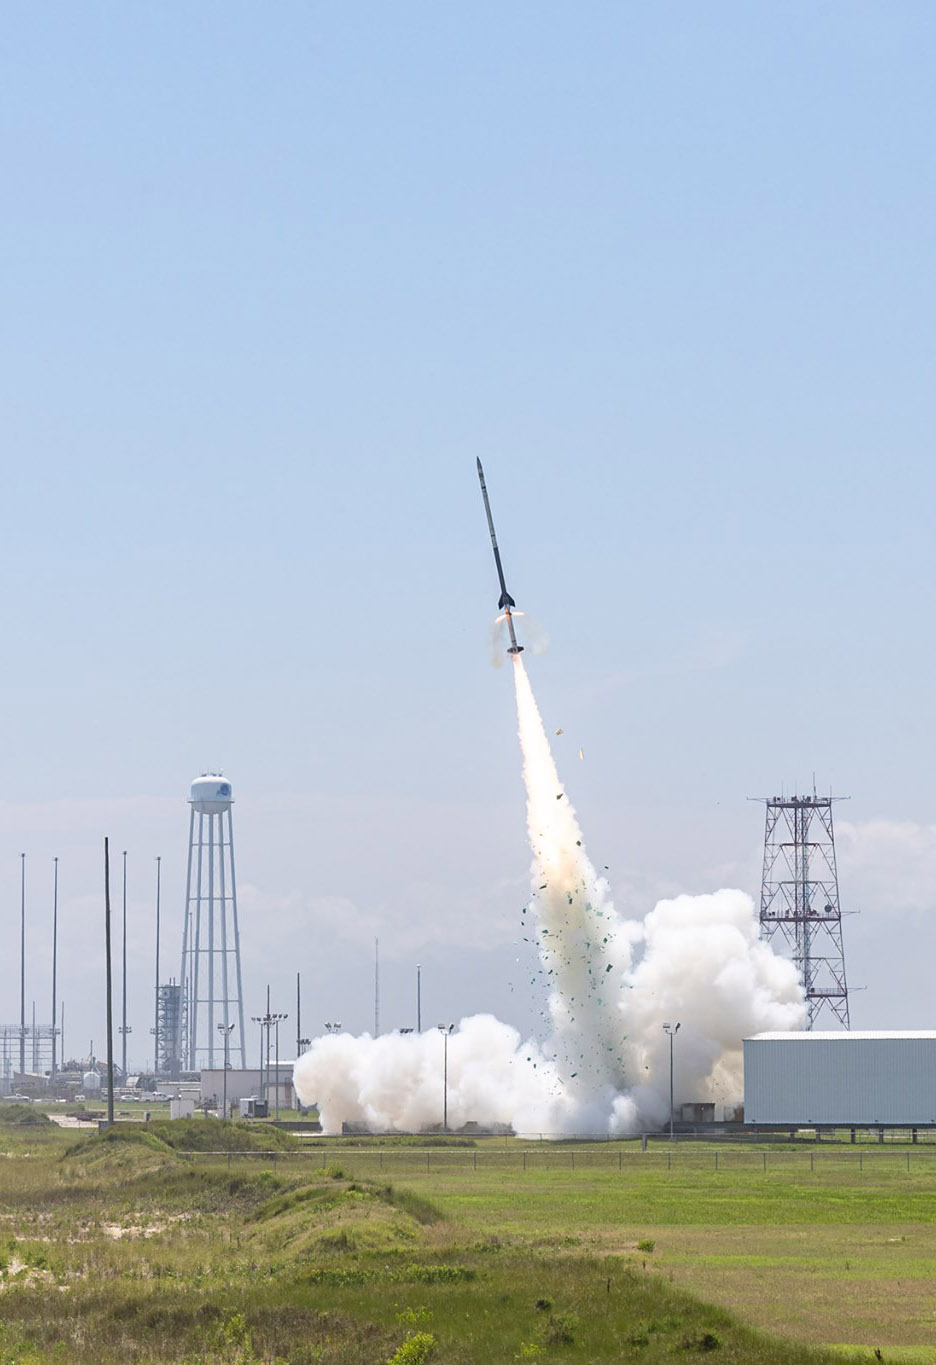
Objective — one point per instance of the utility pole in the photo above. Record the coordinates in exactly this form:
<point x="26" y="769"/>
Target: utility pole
<point x="671" y="1030"/>
<point x="54" y="957"/>
<point x="276" y="1019"/>
<point x="445" y="1031"/>
<point x="124" y="1030"/>
<point x="298" y="1025"/>
<point x="156" y="1028"/>
<point x="225" y="1030"/>
<point x="110" y="1011"/>
<point x="22" y="966"/>
<point x="376" y="987"/>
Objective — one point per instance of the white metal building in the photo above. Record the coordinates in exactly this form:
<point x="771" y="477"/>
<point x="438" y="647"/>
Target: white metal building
<point x="844" y="1079"/>
<point x="244" y="1082"/>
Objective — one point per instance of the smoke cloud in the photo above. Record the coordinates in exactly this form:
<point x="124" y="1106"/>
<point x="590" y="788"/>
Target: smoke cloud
<point x="613" y="983"/>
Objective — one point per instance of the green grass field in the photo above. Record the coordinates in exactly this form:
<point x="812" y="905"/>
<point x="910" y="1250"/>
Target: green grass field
<point x="147" y="1245"/>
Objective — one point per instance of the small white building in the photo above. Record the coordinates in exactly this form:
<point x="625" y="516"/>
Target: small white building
<point x="843" y="1079"/>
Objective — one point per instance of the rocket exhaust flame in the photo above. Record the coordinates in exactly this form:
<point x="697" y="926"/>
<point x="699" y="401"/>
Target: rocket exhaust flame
<point x="582" y="948"/>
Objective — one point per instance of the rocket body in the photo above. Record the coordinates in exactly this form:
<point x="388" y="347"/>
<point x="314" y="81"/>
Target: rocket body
<point x="505" y="601"/>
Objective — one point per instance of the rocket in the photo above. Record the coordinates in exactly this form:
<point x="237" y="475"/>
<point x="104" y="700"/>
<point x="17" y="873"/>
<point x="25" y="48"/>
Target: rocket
<point x="506" y="602"/>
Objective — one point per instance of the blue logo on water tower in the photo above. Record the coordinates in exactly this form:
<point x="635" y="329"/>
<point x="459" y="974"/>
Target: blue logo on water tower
<point x="224" y="789"/>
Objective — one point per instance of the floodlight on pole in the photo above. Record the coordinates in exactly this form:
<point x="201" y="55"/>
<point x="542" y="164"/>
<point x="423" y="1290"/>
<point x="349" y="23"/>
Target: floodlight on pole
<point x="155" y="1029"/>
<point x="261" y="1020"/>
<point x="276" y="1020"/>
<point x="22" y="1047"/>
<point x="671" y="1030"/>
<point x="445" y="1030"/>
<point x="226" y="1030"/>
<point x="124" y="1027"/>
<point x="54" y="957"/>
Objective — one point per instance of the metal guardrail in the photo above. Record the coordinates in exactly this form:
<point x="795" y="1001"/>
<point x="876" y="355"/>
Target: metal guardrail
<point x="558" y="1158"/>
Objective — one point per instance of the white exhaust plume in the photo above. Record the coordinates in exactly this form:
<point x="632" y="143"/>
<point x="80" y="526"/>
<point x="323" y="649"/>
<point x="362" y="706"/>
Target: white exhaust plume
<point x="604" y="1068"/>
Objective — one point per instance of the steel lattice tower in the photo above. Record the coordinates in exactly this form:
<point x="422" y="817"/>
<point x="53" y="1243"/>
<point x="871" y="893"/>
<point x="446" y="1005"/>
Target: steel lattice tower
<point x="800" y="898"/>
<point x="210" y="979"/>
<point x="168" y="1059"/>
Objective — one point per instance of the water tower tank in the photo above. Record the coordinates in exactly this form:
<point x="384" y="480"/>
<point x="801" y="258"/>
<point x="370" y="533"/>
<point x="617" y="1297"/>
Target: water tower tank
<point x="91" y="1081"/>
<point x="211" y="794"/>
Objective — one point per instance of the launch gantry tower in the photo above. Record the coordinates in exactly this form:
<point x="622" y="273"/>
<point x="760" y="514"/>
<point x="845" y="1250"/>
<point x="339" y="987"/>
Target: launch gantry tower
<point x="800" y="898"/>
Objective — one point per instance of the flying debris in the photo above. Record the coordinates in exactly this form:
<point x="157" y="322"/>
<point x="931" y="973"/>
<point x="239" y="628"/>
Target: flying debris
<point x="505" y="602"/>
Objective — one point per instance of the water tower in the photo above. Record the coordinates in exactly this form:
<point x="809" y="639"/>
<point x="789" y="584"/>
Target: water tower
<point x="210" y="981"/>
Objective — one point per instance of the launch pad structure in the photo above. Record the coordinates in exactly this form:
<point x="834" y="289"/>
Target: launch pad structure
<point x="800" y="899"/>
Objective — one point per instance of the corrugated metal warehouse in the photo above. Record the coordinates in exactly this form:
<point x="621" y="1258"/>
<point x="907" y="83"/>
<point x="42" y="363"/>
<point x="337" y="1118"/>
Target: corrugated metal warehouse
<point x="840" y="1078"/>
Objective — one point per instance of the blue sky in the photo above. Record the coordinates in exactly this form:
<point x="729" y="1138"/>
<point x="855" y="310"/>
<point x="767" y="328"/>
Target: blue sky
<point x="273" y="278"/>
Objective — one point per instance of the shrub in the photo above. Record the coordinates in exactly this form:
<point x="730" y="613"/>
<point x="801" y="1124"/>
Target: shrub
<point x="420" y="1209"/>
<point x="707" y="1341"/>
<point x="410" y="1317"/>
<point x="23" y="1115"/>
<point x="437" y="1274"/>
<point x="646" y="1245"/>
<point x="417" y="1348"/>
<point x="560" y="1329"/>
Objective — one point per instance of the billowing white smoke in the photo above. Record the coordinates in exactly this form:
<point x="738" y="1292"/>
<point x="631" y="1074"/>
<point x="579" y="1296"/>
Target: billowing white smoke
<point x="613" y="984"/>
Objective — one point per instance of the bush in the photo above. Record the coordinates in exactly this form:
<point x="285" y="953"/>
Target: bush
<point x="134" y="1135"/>
<point x="708" y="1341"/>
<point x="560" y="1329"/>
<point x="23" y="1115"/>
<point x="217" y="1135"/>
<point x="417" y="1347"/>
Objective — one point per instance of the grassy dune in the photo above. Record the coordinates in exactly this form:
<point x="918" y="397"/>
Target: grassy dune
<point x="143" y="1245"/>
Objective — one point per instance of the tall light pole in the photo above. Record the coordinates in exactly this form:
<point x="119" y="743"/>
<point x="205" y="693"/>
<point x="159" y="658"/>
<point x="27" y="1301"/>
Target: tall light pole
<point x="124" y="1030"/>
<point x="268" y="1024"/>
<point x="259" y="1019"/>
<point x="54" y="955"/>
<point x="269" y="1021"/>
<point x="109" y="979"/>
<point x="156" y="1029"/>
<point x="445" y="1030"/>
<point x="671" y="1030"/>
<point x="376" y="987"/>
<point x="225" y="1030"/>
<point x="298" y="1016"/>
<point x="276" y="1020"/>
<point x="22" y="966"/>
<point x="418" y="998"/>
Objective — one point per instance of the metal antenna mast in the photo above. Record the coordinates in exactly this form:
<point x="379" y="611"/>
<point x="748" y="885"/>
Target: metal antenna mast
<point x="800" y="898"/>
